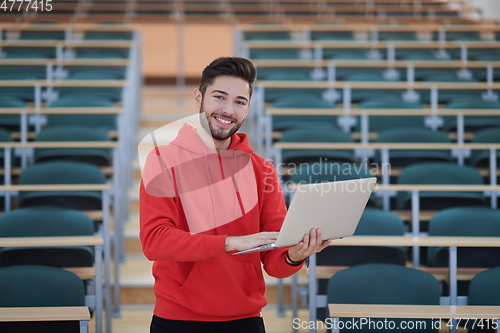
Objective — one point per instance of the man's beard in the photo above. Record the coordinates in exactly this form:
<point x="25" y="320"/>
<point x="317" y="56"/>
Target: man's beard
<point x="218" y="133"/>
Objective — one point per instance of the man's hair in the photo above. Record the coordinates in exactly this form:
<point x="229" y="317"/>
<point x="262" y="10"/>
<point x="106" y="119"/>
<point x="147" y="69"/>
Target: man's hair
<point x="230" y="66"/>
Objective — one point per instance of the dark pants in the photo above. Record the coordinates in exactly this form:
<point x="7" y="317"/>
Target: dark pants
<point x="247" y="325"/>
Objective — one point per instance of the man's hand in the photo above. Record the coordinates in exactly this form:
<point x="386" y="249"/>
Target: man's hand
<point x="240" y="243"/>
<point x="311" y="243"/>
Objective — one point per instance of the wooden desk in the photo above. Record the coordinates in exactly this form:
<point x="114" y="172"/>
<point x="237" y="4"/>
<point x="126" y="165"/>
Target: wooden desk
<point x="356" y="44"/>
<point x="59" y="313"/>
<point x="96" y="241"/>
<point x="340" y="63"/>
<point x="368" y="26"/>
<point x="65" y="83"/>
<point x="66" y="62"/>
<point x="107" y="44"/>
<point x="451" y="242"/>
<point x="416" y="311"/>
<point x="403" y="85"/>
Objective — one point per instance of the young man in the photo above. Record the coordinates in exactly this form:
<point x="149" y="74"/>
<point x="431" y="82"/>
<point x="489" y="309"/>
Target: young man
<point x="205" y="195"/>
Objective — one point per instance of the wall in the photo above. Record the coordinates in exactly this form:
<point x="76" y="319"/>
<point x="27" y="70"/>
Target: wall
<point x="202" y="44"/>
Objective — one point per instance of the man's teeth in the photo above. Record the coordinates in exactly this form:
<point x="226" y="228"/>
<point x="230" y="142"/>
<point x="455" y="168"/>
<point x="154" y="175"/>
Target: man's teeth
<point x="223" y="121"/>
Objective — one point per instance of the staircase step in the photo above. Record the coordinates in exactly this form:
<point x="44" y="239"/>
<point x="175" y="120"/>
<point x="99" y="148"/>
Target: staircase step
<point x="136" y="282"/>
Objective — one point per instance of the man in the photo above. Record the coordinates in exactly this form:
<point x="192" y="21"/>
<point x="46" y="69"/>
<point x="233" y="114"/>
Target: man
<point x="205" y="195"/>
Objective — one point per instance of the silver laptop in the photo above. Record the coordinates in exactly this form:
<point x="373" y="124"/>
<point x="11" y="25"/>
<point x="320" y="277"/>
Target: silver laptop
<point x="334" y="207"/>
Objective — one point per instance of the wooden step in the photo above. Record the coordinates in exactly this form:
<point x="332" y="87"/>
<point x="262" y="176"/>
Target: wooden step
<point x="136" y="282"/>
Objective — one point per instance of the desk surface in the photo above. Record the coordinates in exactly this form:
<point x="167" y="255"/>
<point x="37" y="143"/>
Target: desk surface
<point x="50" y="241"/>
<point x="60" y="313"/>
<point x="381" y="145"/>
<point x="413" y="311"/>
<point x="373" y="63"/>
<point x="418" y="241"/>
<point x="64" y="187"/>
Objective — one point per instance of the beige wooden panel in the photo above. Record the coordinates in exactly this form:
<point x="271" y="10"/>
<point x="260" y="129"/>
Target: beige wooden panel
<point x="159" y="49"/>
<point x="204" y="43"/>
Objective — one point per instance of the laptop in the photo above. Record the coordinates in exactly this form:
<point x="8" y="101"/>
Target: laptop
<point x="334" y="207"/>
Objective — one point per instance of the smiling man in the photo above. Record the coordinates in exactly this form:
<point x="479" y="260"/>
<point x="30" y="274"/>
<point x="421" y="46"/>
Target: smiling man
<point x="205" y="195"/>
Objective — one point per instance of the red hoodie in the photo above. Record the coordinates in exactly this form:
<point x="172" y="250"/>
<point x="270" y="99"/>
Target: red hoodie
<point x="191" y="199"/>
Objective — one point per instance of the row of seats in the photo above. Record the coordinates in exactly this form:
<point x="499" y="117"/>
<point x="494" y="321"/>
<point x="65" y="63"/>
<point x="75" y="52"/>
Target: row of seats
<point x="458" y="213"/>
<point x="462" y="221"/>
<point x="28" y="52"/>
<point x="379" y="74"/>
<point x="398" y="158"/>
<point x="15" y="34"/>
<point x="65" y="213"/>
<point x="426" y="53"/>
<point x="392" y="284"/>
<point x="381" y="36"/>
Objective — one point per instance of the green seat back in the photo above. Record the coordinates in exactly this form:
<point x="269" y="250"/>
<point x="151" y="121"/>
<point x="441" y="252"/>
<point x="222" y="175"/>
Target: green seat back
<point x="60" y="172"/>
<point x="413" y="135"/>
<point x="315" y="135"/>
<point x="489" y="135"/>
<point x="439" y="173"/>
<point x="383" y="284"/>
<point x="39" y="286"/>
<point x="98" y="156"/>
<point x="465" y="221"/>
<point x="381" y="123"/>
<point x="484" y="288"/>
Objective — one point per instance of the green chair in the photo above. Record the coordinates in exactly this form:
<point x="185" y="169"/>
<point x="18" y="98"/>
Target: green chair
<point x="473" y="123"/>
<point x="11" y="122"/>
<point x="69" y="93"/>
<point x="481" y="158"/>
<point x="42" y="35"/>
<point x="341" y="54"/>
<point x="106" y="122"/>
<point x="42" y="222"/>
<point x="329" y="172"/>
<point x="272" y="95"/>
<point x="95" y="74"/>
<point x="484" y="289"/>
<point x="27" y="72"/>
<point x="108" y="35"/>
<point x="279" y="54"/>
<point x="30" y="53"/>
<point x="440" y="173"/>
<point x="103" y="53"/>
<point x="371" y="76"/>
<point x="460" y="36"/>
<point x="40" y="286"/>
<point x="285" y="75"/>
<point x="96" y="156"/>
<point x="397" y="36"/>
<point x="383" y="284"/>
<point x="372" y="222"/>
<point x="267" y="35"/>
<point x="382" y="123"/>
<point x="298" y="156"/>
<point x="332" y="35"/>
<point x="403" y="158"/>
<point x="445" y="77"/>
<point x="62" y="172"/>
<point x="466" y="221"/>
<point x="304" y="121"/>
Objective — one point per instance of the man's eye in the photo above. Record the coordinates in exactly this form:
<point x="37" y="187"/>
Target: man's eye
<point x="219" y="97"/>
<point x="240" y="103"/>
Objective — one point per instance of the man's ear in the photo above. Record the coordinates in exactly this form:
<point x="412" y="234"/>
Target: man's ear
<point x="198" y="97"/>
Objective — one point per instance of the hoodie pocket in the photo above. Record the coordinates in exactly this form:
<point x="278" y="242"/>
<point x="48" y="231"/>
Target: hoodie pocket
<point x="221" y="288"/>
